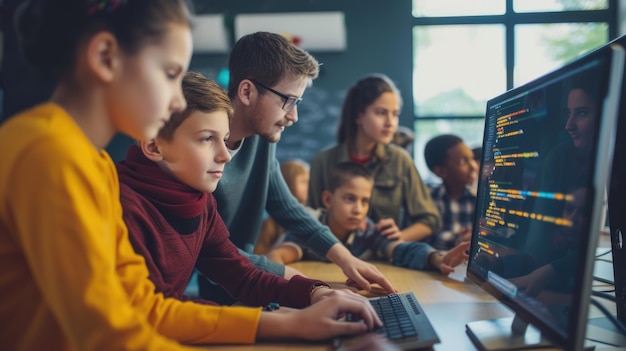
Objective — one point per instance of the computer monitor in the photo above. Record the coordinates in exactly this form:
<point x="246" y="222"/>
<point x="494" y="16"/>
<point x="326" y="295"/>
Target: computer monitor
<point x="617" y="205"/>
<point x="547" y="151"/>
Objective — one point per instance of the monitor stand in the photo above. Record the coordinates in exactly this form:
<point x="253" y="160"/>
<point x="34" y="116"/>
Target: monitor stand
<point x="506" y="334"/>
<point x="516" y="334"/>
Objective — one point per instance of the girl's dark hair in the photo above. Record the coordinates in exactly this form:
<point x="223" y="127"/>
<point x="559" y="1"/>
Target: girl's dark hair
<point x="50" y="31"/>
<point x="346" y="171"/>
<point x="587" y="82"/>
<point x="359" y="97"/>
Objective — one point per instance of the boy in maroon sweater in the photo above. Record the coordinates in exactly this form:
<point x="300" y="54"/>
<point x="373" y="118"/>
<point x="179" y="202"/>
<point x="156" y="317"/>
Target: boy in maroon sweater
<point x="166" y="185"/>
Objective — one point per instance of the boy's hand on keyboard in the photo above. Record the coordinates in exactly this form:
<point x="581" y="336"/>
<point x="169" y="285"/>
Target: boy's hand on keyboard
<point x="373" y="291"/>
<point x="320" y="294"/>
<point x="321" y="320"/>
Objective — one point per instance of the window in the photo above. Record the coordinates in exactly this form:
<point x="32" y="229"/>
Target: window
<point x="449" y="61"/>
<point x="468" y="51"/>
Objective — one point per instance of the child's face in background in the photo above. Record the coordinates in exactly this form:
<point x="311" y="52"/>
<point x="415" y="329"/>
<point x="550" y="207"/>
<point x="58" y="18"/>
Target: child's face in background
<point x="148" y="89"/>
<point x="197" y="153"/>
<point x="348" y="205"/>
<point x="460" y="166"/>
<point x="301" y="187"/>
<point x="380" y="120"/>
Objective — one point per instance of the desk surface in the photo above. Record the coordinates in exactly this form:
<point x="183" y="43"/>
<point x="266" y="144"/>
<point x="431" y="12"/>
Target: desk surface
<point x="450" y="302"/>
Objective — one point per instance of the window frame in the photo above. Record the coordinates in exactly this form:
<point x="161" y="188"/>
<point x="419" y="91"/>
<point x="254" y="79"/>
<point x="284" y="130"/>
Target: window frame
<point x="509" y="20"/>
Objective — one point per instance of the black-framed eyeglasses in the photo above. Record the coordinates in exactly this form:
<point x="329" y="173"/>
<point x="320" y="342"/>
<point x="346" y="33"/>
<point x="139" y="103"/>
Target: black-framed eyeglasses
<point x="290" y="101"/>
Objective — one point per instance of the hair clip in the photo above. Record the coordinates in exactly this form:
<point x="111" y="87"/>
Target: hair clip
<point x="108" y="6"/>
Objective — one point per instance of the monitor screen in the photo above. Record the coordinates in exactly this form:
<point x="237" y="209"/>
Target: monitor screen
<point x="541" y="193"/>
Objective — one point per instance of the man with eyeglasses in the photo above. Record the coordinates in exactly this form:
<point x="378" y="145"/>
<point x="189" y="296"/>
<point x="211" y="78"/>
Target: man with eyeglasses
<point x="268" y="76"/>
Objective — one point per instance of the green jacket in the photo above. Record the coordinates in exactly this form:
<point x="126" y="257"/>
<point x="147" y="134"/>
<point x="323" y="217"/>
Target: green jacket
<point x="399" y="192"/>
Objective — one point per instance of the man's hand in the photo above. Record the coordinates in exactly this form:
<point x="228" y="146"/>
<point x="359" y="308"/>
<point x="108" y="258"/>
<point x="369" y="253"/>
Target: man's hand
<point x="360" y="274"/>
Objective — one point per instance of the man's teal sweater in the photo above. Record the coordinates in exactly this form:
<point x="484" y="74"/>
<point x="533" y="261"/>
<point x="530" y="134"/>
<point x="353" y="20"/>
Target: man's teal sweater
<point x="252" y="183"/>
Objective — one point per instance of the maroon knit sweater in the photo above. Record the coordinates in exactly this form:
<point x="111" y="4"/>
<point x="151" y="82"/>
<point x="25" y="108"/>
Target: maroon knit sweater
<point x="172" y="246"/>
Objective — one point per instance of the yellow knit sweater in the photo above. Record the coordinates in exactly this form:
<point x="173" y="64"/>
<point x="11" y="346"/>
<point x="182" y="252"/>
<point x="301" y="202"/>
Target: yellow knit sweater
<point x="69" y="278"/>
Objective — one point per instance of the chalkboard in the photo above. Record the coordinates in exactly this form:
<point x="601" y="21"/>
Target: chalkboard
<point x="316" y="129"/>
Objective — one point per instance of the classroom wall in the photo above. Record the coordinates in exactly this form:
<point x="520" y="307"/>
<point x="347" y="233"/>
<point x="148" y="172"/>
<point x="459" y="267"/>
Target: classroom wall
<point x="378" y="40"/>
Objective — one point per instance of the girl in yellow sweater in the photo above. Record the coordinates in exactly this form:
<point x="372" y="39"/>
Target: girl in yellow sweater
<point x="70" y="279"/>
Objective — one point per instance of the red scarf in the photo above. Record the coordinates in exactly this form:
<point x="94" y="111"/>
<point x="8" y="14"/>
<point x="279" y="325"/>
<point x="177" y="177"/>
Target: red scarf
<point x="360" y="160"/>
<point x="164" y="191"/>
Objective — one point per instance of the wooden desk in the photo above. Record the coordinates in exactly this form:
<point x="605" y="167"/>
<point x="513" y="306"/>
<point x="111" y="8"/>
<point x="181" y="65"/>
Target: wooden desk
<point x="450" y="303"/>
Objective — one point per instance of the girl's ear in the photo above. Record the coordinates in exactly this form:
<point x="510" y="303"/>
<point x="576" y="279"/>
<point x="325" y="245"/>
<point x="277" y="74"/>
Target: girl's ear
<point x="359" y="119"/>
<point x="151" y="150"/>
<point x="326" y="197"/>
<point x="102" y="55"/>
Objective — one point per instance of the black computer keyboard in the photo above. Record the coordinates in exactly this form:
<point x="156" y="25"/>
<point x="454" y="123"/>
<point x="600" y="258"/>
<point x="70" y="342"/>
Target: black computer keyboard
<point x="395" y="317"/>
<point x="405" y="323"/>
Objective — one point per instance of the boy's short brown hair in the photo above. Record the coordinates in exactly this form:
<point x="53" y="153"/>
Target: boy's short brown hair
<point x="268" y="58"/>
<point x="345" y="171"/>
<point x="202" y="94"/>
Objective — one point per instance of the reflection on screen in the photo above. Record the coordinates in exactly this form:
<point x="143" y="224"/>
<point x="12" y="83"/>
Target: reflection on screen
<point x="535" y="192"/>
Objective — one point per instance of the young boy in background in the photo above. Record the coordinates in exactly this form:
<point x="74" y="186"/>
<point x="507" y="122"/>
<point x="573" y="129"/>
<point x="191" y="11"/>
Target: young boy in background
<point x="451" y="160"/>
<point x="346" y="205"/>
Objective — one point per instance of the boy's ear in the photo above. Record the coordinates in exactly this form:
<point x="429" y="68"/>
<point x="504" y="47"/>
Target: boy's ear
<point x="102" y="55"/>
<point x="151" y="150"/>
<point x="326" y="196"/>
<point x="440" y="171"/>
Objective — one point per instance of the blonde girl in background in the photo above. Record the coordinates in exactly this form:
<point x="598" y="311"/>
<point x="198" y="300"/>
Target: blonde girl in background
<point x="296" y="173"/>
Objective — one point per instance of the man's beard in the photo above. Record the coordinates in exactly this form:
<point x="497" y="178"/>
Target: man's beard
<point x="275" y="136"/>
<point x="272" y="138"/>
